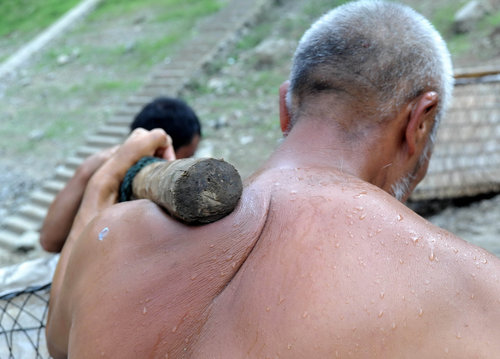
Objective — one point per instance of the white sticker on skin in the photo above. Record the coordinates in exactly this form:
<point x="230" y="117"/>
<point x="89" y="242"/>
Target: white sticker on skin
<point x="103" y="233"/>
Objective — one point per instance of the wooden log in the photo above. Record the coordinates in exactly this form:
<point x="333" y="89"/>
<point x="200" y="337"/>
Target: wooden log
<point x="194" y="191"/>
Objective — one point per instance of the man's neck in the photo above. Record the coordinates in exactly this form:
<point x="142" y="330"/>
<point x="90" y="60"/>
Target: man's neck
<point x="316" y="144"/>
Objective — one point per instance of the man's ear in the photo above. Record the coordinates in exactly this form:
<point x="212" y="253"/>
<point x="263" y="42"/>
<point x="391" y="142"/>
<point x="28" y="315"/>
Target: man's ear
<point x="284" y="114"/>
<point x="421" y="120"/>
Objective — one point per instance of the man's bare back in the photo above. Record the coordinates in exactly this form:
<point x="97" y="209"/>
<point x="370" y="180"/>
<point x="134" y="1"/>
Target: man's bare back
<point x="311" y="264"/>
<point x="319" y="260"/>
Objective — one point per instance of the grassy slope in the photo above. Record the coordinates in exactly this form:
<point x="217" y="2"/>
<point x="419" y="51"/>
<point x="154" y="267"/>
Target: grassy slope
<point x="110" y="55"/>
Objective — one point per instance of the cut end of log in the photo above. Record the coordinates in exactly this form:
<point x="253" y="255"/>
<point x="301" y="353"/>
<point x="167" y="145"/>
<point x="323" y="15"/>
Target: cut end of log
<point x="205" y="191"/>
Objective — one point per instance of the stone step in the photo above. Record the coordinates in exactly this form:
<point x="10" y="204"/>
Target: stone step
<point x="64" y="173"/>
<point x="102" y="141"/>
<point x="16" y="242"/>
<point x="120" y="120"/>
<point x="117" y="131"/>
<point x="42" y="198"/>
<point x="85" y="151"/>
<point x="33" y="212"/>
<point x="167" y="71"/>
<point x="53" y="186"/>
<point x="19" y="224"/>
<point x="161" y="91"/>
<point x="128" y="111"/>
<point x="74" y="162"/>
<point x="139" y="101"/>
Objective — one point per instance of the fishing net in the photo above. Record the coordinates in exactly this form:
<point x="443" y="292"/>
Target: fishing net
<point x="24" y="301"/>
<point x="22" y="323"/>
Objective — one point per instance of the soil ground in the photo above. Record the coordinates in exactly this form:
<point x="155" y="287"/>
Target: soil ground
<point x="46" y="112"/>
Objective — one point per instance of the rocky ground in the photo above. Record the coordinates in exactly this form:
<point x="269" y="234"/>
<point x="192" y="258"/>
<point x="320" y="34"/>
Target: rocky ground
<point x="236" y="99"/>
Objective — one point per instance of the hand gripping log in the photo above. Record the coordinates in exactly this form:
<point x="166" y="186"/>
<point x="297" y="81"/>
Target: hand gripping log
<point x="194" y="191"/>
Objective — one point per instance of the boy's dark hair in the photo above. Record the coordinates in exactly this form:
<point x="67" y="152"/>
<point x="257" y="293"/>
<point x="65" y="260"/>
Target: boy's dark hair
<point x="174" y="116"/>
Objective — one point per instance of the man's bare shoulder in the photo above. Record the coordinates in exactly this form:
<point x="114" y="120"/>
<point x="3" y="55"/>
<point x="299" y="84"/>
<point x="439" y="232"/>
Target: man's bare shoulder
<point x="358" y="273"/>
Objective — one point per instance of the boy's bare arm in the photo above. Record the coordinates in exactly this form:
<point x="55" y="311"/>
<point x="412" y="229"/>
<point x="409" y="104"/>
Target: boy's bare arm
<point x="63" y="210"/>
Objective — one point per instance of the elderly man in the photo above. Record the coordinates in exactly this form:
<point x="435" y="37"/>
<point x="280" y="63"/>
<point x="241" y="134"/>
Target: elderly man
<point x="318" y="260"/>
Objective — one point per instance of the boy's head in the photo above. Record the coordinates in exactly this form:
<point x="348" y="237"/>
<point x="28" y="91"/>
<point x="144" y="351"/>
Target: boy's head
<point x="176" y="118"/>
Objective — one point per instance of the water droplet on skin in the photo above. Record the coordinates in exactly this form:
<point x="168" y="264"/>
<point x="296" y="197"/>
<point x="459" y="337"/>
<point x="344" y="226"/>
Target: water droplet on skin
<point x="401" y="261"/>
<point x="415" y="238"/>
<point x="145" y="310"/>
<point x="337" y="245"/>
<point x="293" y="192"/>
<point x="382" y="295"/>
<point x="400" y="217"/>
<point x="194" y="276"/>
<point x="420" y="312"/>
<point x="166" y="356"/>
<point x="362" y="217"/>
<point x="361" y="194"/>
<point x="281" y="300"/>
<point x="381" y="314"/>
<point x="103" y="233"/>
<point x="393" y="326"/>
<point x="485" y="261"/>
<point x="233" y="265"/>
<point x="472" y="296"/>
<point x="174" y="329"/>
<point x="459" y="336"/>
<point x="289" y="346"/>
<point x="268" y="309"/>
<point x="432" y="256"/>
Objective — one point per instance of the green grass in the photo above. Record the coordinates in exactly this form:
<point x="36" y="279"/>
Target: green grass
<point x="442" y="18"/>
<point x="178" y="17"/>
<point x="254" y="37"/>
<point x="31" y="15"/>
<point x="458" y="44"/>
<point x="490" y="21"/>
<point x="165" y="10"/>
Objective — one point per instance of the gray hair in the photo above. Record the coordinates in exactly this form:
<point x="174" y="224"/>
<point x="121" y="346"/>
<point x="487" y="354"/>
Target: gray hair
<point x="371" y="52"/>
